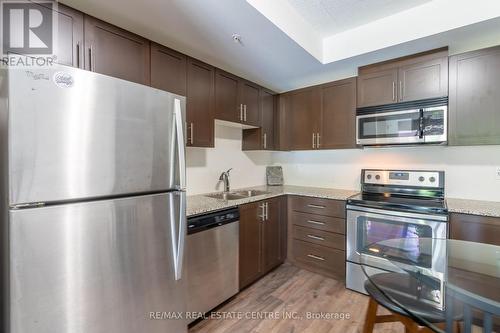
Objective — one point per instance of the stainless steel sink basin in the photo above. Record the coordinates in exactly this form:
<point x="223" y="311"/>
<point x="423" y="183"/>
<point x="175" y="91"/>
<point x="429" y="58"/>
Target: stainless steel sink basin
<point x="236" y="195"/>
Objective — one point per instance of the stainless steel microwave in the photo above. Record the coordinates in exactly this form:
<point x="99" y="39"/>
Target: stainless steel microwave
<point x="402" y="127"/>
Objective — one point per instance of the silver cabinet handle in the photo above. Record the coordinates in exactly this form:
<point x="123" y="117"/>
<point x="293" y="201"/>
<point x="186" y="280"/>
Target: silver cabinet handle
<point x="393" y="90"/>
<point x="267" y="211"/>
<point x="314" y="140"/>
<point x="316" y="237"/>
<point x="78" y="55"/>
<point x="263" y="213"/>
<point x="316" y="222"/>
<point x="191" y="133"/>
<point x="318" y="144"/>
<point x="316" y="257"/>
<point x="401" y="91"/>
<point x="244" y="112"/>
<point x="316" y="206"/>
<point x="241" y="112"/>
<point x="91" y="58"/>
<point x="265" y="140"/>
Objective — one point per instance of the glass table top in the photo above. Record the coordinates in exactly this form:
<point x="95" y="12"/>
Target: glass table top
<point x="459" y="282"/>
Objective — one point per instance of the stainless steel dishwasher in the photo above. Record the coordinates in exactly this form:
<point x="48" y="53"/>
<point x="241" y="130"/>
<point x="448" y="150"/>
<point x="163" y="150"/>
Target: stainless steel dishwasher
<point x="212" y="249"/>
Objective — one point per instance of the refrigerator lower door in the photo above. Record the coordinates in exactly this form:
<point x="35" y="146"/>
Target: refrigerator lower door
<point x="98" y="267"/>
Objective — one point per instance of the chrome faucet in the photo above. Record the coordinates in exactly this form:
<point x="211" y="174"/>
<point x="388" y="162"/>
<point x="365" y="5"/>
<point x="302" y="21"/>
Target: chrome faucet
<point x="225" y="178"/>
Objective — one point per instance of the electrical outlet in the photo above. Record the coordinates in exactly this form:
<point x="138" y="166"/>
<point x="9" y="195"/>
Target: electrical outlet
<point x="498" y="173"/>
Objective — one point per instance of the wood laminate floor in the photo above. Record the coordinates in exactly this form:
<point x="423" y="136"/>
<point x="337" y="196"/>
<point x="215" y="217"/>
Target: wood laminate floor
<point x="292" y="291"/>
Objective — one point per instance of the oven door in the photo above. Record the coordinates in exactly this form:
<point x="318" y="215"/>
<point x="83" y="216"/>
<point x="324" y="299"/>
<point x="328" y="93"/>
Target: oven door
<point x="367" y="226"/>
<point x="396" y="127"/>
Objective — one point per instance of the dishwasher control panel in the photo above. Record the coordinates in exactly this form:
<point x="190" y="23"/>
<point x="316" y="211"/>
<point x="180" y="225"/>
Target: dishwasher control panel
<point x="212" y="220"/>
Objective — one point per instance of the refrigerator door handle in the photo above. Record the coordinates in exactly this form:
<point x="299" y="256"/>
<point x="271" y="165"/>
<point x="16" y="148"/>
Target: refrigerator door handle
<point x="179" y="255"/>
<point x="180" y="143"/>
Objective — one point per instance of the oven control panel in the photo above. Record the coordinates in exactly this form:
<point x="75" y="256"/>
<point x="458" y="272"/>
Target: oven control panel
<point x="404" y="178"/>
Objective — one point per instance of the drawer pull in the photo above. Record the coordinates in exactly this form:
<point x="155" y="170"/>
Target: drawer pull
<point x="316" y="237"/>
<point x="316" y="206"/>
<point x="316" y="222"/>
<point x="316" y="257"/>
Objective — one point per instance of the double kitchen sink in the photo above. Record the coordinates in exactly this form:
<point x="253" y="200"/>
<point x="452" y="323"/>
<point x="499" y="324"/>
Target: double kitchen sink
<point x="237" y="195"/>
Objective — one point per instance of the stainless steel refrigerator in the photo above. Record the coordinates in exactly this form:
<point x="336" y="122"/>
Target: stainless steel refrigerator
<point x="93" y="203"/>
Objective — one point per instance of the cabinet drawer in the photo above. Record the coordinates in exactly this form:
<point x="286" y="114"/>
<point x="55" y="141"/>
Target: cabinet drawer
<point x="325" y="223"/>
<point x="325" y="207"/>
<point x="336" y="241"/>
<point x="317" y="256"/>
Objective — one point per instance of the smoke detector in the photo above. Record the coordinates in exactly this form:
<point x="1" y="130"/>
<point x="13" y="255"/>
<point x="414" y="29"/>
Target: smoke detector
<point x="237" y="39"/>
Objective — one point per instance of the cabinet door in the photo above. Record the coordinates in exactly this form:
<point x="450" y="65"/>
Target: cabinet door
<point x="272" y="235"/>
<point x="422" y="80"/>
<point x="116" y="52"/>
<point x="227" y="106"/>
<point x="250" y="243"/>
<point x="474" y="228"/>
<point x="250" y="98"/>
<point x="200" y="104"/>
<point x="302" y="119"/>
<point x="338" y="121"/>
<point x="168" y="70"/>
<point x="475" y="98"/>
<point x="68" y="46"/>
<point x="268" y="105"/>
<point x="377" y="88"/>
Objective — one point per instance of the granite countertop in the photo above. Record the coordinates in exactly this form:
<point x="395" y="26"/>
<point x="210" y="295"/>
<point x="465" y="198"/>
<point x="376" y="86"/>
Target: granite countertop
<point x="474" y="207"/>
<point x="199" y="204"/>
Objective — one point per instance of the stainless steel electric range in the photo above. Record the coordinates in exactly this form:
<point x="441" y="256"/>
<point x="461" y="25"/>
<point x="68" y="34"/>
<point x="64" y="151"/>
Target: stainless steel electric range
<point x="395" y="204"/>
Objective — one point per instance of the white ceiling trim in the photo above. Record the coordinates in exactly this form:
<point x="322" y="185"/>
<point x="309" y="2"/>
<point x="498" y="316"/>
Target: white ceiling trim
<point x="425" y="20"/>
<point x="285" y="17"/>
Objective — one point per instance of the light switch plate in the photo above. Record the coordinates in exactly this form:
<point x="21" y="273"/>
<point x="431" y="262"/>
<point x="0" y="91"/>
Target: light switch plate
<point x="498" y="173"/>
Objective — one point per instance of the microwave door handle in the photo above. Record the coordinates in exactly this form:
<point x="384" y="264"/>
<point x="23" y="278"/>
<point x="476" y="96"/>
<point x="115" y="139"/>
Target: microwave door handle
<point x="421" y="125"/>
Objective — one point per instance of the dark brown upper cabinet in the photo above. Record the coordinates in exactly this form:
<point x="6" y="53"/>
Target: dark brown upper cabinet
<point x="474" y="111"/>
<point x="236" y="100"/>
<point x="338" y="115"/>
<point x="200" y="104"/>
<point x="168" y="69"/>
<point x="416" y="77"/>
<point x="227" y="106"/>
<point x="262" y="138"/>
<point x="377" y="88"/>
<point x="302" y="118"/>
<point x="116" y="52"/>
<point x="68" y="47"/>
<point x="423" y="79"/>
<point x="250" y="98"/>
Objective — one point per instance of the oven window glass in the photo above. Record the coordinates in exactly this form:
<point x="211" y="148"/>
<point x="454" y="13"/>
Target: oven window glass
<point x="390" y="126"/>
<point x="375" y="230"/>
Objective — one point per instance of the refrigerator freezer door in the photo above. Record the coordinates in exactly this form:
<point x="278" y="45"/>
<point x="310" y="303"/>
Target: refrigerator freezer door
<point x="75" y="134"/>
<point x="100" y="267"/>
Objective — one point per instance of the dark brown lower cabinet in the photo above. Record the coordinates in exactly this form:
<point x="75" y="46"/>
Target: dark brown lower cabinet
<point x="262" y="238"/>
<point x="475" y="228"/>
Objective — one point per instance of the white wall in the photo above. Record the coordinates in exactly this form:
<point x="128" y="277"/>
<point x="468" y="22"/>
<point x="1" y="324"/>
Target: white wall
<point x="204" y="165"/>
<point x="470" y="171"/>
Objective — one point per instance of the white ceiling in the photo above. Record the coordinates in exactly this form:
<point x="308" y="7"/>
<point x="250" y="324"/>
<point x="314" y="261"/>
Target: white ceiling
<point x="268" y="56"/>
<point x="329" y="17"/>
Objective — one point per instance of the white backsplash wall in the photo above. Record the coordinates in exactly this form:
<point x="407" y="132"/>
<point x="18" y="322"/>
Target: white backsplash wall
<point x="470" y="171"/>
<point x="204" y="165"/>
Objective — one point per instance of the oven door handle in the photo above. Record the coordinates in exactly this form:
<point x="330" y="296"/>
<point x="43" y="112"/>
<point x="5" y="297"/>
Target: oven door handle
<point x="399" y="214"/>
